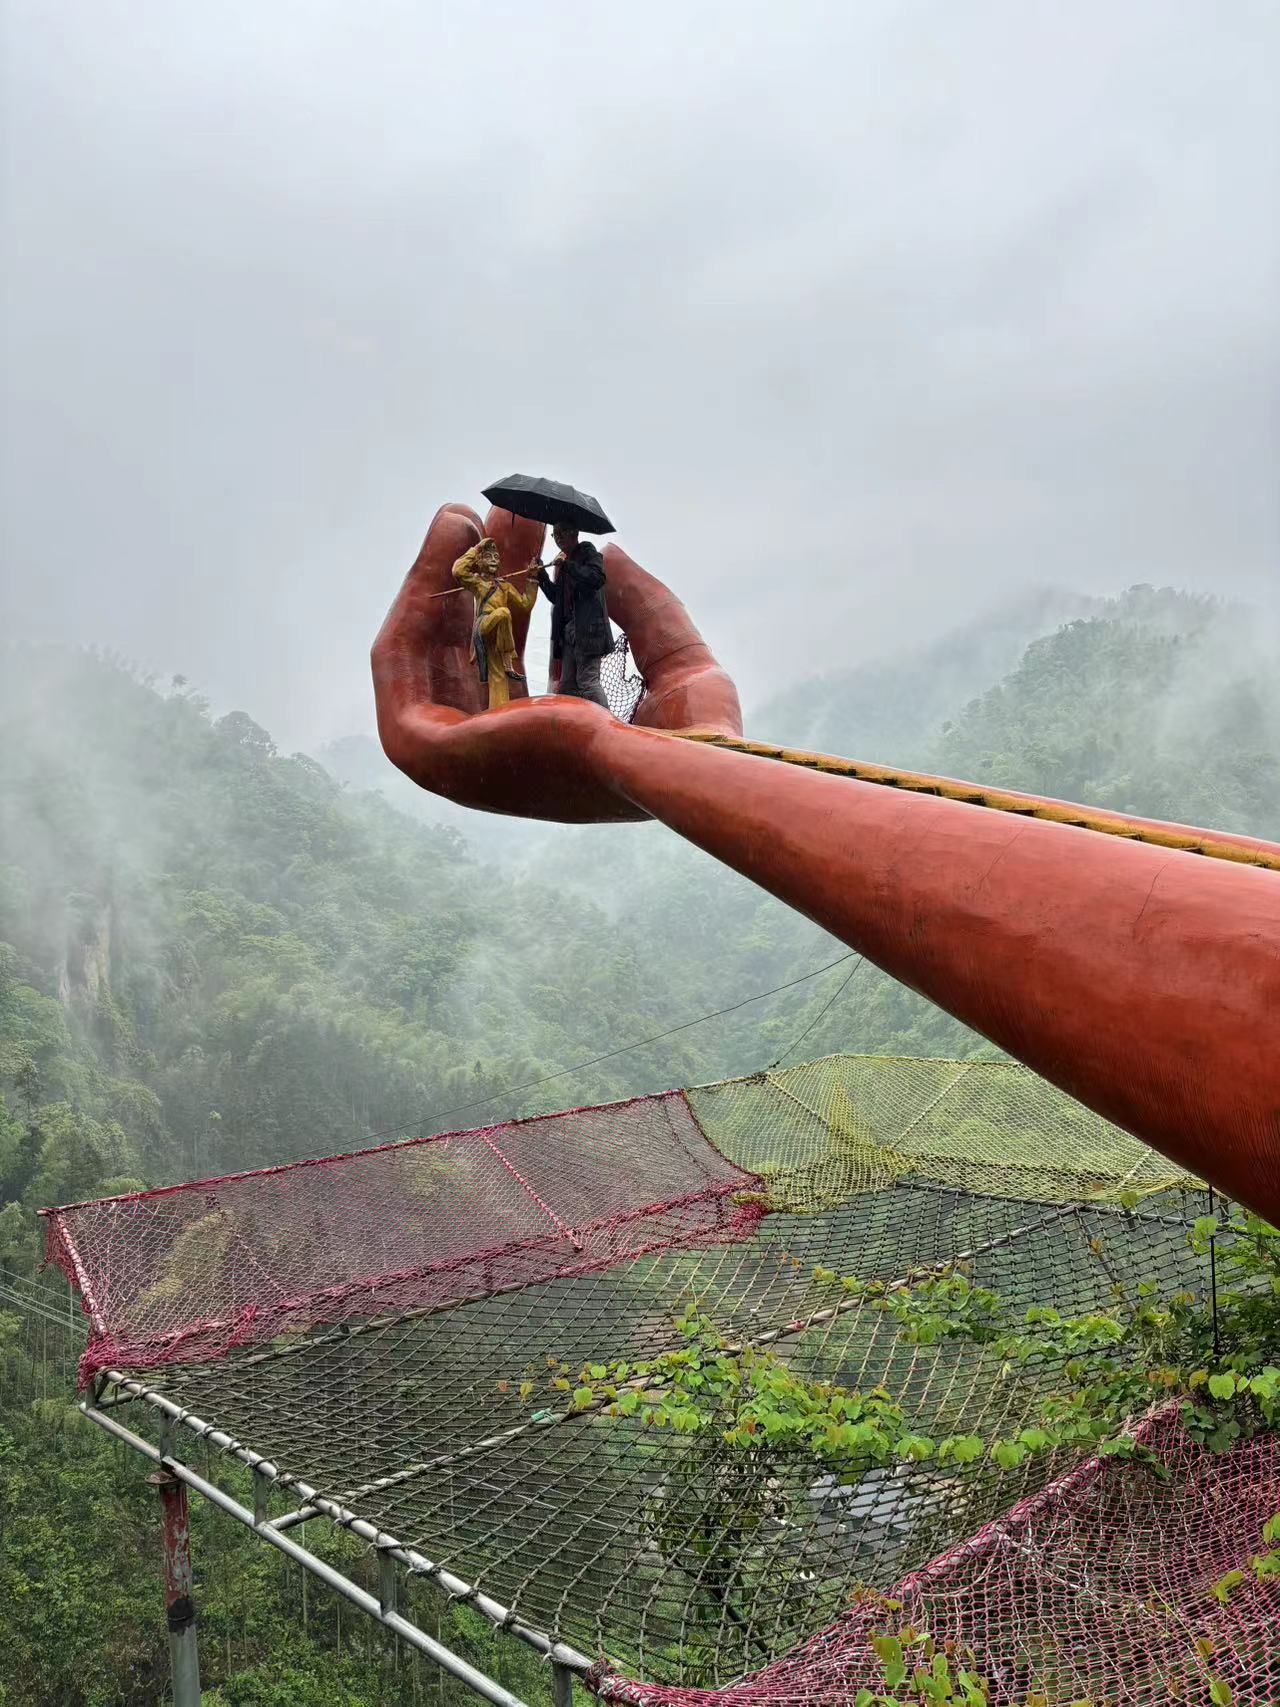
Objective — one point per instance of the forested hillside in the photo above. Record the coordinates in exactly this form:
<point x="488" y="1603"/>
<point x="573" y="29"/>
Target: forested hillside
<point x="890" y="710"/>
<point x="216" y="956"/>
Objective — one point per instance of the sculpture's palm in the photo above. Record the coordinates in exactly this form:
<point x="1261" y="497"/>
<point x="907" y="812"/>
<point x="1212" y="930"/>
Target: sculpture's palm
<point x="534" y="758"/>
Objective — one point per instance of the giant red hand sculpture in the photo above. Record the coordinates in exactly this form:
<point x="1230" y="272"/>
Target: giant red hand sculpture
<point x="1142" y="980"/>
<point x="533" y="759"/>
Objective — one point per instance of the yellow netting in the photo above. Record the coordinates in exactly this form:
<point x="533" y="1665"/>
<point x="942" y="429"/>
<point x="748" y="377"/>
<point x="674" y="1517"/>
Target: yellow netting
<point x="854" y="1123"/>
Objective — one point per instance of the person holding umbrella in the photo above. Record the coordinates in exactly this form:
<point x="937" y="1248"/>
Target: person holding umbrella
<point x="580" y="630"/>
<point x="581" y="634"/>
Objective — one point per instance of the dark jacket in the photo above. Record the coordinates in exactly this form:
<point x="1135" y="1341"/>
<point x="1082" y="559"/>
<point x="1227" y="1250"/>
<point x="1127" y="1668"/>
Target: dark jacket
<point x="577" y="597"/>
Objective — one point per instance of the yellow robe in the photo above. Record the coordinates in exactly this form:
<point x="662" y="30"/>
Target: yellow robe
<point x="493" y="643"/>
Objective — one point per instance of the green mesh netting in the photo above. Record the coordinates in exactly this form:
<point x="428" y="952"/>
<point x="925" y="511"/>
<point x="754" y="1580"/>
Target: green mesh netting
<point x="821" y="1132"/>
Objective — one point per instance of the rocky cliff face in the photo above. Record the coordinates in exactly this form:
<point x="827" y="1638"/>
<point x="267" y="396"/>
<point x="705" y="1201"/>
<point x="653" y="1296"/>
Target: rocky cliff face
<point x="85" y="970"/>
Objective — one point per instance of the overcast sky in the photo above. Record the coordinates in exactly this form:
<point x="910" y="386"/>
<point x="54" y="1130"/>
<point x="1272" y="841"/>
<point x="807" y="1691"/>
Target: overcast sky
<point x="857" y="317"/>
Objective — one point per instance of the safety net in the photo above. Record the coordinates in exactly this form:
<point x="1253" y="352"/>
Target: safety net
<point x="193" y="1270"/>
<point x="726" y="1389"/>
<point x="623" y="686"/>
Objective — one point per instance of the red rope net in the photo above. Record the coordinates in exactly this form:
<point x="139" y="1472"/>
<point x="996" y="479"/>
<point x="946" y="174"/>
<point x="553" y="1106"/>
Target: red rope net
<point x="1098" y="1589"/>
<point x="186" y="1273"/>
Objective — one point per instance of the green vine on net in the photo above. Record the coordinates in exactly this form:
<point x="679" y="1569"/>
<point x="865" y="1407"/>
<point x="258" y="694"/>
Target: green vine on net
<point x="920" y="1671"/>
<point x="1097" y="1370"/>
<point x="750" y="1399"/>
<point x="1263" y="1567"/>
<point x="749" y="1420"/>
<point x="745" y="1418"/>
<point x="1113" y="1365"/>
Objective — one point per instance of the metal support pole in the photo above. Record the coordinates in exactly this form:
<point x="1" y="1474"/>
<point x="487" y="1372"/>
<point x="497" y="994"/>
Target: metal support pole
<point x="561" y="1686"/>
<point x="180" y="1606"/>
<point x="559" y="1653"/>
<point x="457" y="1667"/>
<point x="288" y="1519"/>
<point x="261" y="1499"/>
<point x="387" y="1591"/>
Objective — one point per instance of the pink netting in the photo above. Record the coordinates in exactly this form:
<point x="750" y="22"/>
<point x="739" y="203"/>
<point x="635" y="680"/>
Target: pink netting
<point x="1097" y="1589"/>
<point x="187" y="1272"/>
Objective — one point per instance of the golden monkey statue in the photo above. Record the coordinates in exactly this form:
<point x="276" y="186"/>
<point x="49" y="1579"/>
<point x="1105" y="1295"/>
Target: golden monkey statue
<point x="493" y="644"/>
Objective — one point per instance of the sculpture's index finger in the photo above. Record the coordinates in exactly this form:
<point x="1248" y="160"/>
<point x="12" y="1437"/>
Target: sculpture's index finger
<point x="421" y="653"/>
<point x="455" y="528"/>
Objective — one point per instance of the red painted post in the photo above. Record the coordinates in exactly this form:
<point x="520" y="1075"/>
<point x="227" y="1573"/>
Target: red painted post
<point x="180" y="1606"/>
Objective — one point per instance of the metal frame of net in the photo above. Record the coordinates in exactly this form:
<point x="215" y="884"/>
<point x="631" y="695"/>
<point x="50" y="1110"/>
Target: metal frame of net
<point x="400" y="1395"/>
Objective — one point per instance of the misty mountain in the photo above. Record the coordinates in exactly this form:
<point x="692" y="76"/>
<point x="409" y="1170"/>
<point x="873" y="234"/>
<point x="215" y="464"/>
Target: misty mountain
<point x="359" y="763"/>
<point x="888" y="711"/>
<point x="1162" y="704"/>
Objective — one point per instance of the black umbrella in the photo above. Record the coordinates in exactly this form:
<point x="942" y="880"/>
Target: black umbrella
<point x="549" y="501"/>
